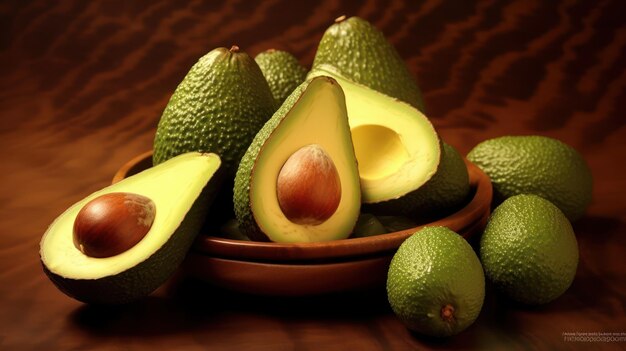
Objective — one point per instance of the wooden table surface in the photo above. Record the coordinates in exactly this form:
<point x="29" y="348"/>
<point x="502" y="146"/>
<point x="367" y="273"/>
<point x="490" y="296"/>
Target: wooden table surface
<point x="83" y="84"/>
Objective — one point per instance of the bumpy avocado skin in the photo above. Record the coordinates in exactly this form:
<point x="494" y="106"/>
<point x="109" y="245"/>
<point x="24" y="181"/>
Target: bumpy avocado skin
<point x="444" y="193"/>
<point x="282" y="71"/>
<point x="536" y="165"/>
<point x="218" y="107"/>
<point x="529" y="250"/>
<point x="361" y="53"/>
<point x="433" y="268"/>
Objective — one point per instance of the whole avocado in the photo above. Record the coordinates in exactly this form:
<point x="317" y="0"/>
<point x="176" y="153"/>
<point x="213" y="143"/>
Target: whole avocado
<point x="529" y="250"/>
<point x="536" y="165"/>
<point x="219" y="107"/>
<point x="436" y="284"/>
<point x="355" y="49"/>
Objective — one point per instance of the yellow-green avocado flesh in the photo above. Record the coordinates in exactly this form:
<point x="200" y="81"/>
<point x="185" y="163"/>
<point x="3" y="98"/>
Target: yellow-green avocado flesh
<point x="181" y="189"/>
<point x="315" y="113"/>
<point x="397" y="148"/>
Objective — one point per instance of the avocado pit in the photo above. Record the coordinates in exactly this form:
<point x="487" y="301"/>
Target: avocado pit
<point x="113" y="223"/>
<point x="308" y="187"/>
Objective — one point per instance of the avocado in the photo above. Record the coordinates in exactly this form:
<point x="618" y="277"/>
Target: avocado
<point x="537" y="165"/>
<point x="282" y="71"/>
<point x="219" y="106"/>
<point x="396" y="223"/>
<point x="368" y="225"/>
<point x="397" y="147"/>
<point x="181" y="190"/>
<point x="435" y="283"/>
<point x="443" y="194"/>
<point x="360" y="52"/>
<point x="230" y="230"/>
<point x="298" y="181"/>
<point x="529" y="250"/>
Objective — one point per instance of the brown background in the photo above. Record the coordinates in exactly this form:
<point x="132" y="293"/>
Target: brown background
<point x="82" y="86"/>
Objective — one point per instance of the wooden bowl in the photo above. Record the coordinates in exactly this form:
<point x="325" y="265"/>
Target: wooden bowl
<point x="313" y="268"/>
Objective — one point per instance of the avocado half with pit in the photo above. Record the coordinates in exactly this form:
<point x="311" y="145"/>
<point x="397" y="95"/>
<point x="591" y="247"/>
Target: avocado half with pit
<point x="397" y="147"/>
<point x="95" y="267"/>
<point x="298" y="181"/>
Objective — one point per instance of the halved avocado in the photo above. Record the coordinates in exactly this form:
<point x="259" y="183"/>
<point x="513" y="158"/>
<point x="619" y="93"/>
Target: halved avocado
<point x="443" y="194"/>
<point x="397" y="148"/>
<point x="311" y="126"/>
<point x="181" y="190"/>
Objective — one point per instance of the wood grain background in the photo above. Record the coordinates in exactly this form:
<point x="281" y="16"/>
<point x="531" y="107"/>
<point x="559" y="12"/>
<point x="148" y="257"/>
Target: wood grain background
<point x="83" y="84"/>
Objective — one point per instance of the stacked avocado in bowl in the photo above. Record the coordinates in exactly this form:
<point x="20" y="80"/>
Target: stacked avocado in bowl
<point x="295" y="156"/>
<point x="345" y="140"/>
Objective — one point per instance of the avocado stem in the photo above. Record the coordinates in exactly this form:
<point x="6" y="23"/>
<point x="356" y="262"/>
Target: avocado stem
<point x="340" y="18"/>
<point x="234" y="48"/>
<point x="447" y="313"/>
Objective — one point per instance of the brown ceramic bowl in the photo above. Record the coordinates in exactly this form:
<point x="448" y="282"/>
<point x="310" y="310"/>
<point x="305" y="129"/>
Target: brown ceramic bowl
<point x="313" y="268"/>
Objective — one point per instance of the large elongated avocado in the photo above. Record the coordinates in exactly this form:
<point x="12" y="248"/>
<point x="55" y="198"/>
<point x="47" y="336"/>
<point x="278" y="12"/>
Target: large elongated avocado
<point x="219" y="107"/>
<point x="298" y="181"/>
<point x="283" y="72"/>
<point x="397" y="148"/>
<point x="539" y="165"/>
<point x="360" y="52"/>
<point x="181" y="190"/>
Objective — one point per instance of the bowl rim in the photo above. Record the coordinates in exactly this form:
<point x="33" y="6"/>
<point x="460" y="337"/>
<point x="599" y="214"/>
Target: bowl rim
<point x="464" y="221"/>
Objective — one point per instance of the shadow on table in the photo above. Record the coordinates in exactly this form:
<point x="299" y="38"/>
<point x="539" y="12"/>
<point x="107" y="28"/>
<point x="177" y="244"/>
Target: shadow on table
<point x="185" y="304"/>
<point x="188" y="304"/>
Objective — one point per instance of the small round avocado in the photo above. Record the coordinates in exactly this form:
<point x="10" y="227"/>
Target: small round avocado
<point x="435" y="283"/>
<point x="529" y="250"/>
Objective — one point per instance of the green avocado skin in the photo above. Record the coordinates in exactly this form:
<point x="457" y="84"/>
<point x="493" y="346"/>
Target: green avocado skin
<point x="218" y="107"/>
<point x="433" y="268"/>
<point x="529" y="250"/>
<point x="536" y="165"/>
<point x="147" y="276"/>
<point x="360" y="52"/>
<point x="282" y="71"/>
<point x="241" y="190"/>
<point x="445" y="192"/>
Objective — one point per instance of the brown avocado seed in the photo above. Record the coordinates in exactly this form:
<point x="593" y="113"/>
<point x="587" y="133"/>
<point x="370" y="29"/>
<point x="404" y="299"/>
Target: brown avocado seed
<point x="113" y="223"/>
<point x="308" y="186"/>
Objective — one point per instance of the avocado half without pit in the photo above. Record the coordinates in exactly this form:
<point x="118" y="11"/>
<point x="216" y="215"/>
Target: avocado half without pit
<point x="397" y="148"/>
<point x="298" y="181"/>
<point x="122" y="242"/>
